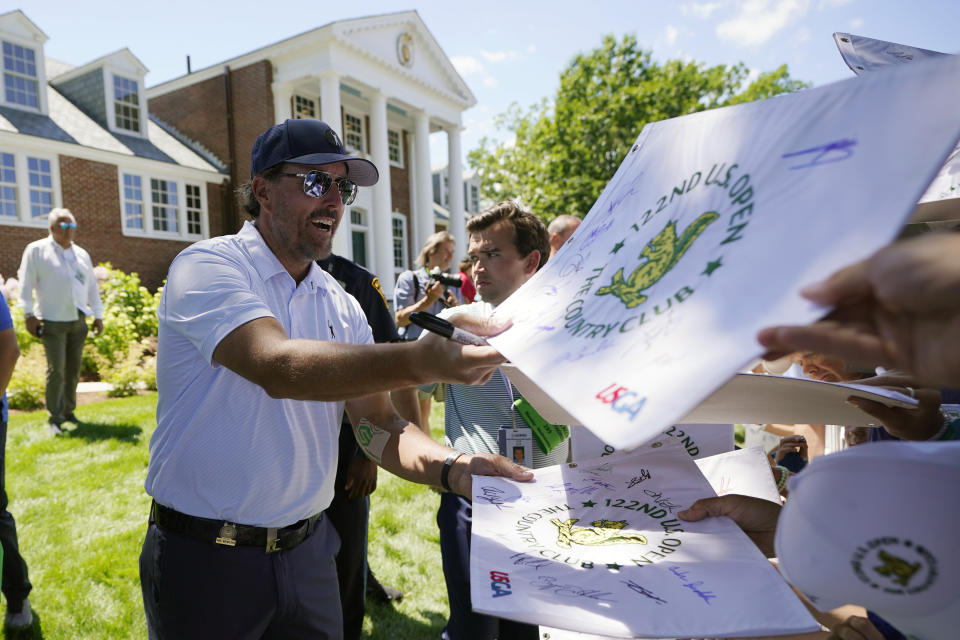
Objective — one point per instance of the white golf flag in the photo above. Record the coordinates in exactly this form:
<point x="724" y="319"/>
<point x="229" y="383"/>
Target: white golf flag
<point x="867" y="55"/>
<point x="596" y="547"/>
<point x="707" y="232"/>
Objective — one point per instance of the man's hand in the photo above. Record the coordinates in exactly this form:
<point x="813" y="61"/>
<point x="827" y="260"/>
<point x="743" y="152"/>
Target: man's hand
<point x="918" y="423"/>
<point x="448" y="361"/>
<point x="361" y="477"/>
<point x="97" y="326"/>
<point x="757" y="517"/>
<point x="33" y="325"/>
<point x="898" y="308"/>
<point x="483" y="464"/>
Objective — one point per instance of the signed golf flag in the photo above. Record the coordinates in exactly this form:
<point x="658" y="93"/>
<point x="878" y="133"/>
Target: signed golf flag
<point x="708" y="230"/>
<point x="868" y="55"/>
<point x="597" y="547"/>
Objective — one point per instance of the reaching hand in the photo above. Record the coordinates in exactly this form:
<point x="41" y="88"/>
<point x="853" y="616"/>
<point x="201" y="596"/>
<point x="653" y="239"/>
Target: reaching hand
<point x="898" y="308"/>
<point x="448" y="361"/>
<point x="757" y="517"/>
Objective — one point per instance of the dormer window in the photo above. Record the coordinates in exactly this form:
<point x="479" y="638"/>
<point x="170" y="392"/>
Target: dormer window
<point x="20" y="80"/>
<point x="126" y="104"/>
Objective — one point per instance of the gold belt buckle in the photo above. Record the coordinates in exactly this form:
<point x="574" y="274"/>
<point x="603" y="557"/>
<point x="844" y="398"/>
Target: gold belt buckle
<point x="228" y="535"/>
<point x="273" y="542"/>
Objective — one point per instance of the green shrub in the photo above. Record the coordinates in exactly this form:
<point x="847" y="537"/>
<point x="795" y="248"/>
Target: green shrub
<point x="27" y="386"/>
<point x="136" y="371"/>
<point x="129" y="316"/>
<point x="24" y="339"/>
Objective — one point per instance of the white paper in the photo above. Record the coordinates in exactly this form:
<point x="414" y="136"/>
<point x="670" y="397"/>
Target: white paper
<point x="745" y="472"/>
<point x="707" y="232"/>
<point x="868" y="55"/>
<point x="596" y="547"/>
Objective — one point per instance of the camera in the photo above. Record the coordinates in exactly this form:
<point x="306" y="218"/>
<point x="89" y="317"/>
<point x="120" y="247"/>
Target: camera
<point x="446" y="279"/>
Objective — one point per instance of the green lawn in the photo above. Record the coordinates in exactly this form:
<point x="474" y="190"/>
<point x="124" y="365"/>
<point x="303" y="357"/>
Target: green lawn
<point x="81" y="516"/>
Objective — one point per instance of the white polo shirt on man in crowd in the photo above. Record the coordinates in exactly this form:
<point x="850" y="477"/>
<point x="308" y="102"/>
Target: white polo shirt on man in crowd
<point x="223" y="448"/>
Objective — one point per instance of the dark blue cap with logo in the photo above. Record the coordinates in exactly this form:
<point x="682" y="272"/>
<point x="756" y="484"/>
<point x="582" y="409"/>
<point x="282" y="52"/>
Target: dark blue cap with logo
<point x="308" y="141"/>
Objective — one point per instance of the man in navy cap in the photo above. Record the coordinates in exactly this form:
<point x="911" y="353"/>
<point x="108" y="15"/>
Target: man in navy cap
<point x="259" y="353"/>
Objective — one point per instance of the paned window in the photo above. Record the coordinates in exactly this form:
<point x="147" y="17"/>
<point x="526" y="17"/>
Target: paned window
<point x="399" y="233"/>
<point x="194" y="210"/>
<point x="353" y="132"/>
<point x="132" y="201"/>
<point x="304" y="107"/>
<point x="474" y="198"/>
<point x="8" y="185"/>
<point x="40" y="182"/>
<point x="20" y="75"/>
<point x="395" y="148"/>
<point x="163" y="195"/>
<point x="358" y="235"/>
<point x="126" y="104"/>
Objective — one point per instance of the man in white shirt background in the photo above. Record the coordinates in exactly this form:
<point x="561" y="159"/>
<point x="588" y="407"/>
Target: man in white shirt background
<point x="59" y="274"/>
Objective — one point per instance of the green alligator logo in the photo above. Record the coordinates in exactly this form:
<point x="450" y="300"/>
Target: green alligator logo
<point x="661" y="254"/>
<point x="603" y="532"/>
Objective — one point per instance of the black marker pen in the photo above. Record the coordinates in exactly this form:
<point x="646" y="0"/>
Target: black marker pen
<point x="443" y="328"/>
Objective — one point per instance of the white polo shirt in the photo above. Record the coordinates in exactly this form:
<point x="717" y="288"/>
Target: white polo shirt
<point x="62" y="280"/>
<point x="223" y="448"/>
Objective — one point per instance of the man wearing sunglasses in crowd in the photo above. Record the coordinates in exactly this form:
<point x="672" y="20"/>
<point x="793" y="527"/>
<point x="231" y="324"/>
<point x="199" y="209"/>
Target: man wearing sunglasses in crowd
<point x="259" y="353"/>
<point x="59" y="274"/>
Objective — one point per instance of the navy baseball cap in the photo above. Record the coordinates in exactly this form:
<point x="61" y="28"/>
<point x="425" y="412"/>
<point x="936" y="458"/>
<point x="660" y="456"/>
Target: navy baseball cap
<point x="308" y="141"/>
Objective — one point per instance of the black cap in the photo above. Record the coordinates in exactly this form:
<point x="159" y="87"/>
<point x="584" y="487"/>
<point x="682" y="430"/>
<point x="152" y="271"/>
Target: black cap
<point x="308" y="141"/>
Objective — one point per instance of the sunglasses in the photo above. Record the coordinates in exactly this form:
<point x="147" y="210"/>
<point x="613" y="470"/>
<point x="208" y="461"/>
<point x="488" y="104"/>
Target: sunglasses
<point x="68" y="225"/>
<point x="316" y="184"/>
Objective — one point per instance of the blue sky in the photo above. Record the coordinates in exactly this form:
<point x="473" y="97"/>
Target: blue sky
<point x="505" y="51"/>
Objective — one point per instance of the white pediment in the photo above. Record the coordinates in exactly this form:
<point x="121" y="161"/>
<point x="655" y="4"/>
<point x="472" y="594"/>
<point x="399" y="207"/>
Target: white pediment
<point x="121" y="61"/>
<point x="19" y="26"/>
<point x="402" y="43"/>
<point x="124" y="62"/>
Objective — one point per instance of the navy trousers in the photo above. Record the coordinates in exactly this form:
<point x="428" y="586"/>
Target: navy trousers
<point x="454" y="518"/>
<point x="15" y="585"/>
<point x="201" y="590"/>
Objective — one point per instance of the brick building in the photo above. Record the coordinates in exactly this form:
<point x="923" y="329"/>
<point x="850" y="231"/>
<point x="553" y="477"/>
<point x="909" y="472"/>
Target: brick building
<point x="148" y="171"/>
<point x="81" y="138"/>
<point x="383" y="81"/>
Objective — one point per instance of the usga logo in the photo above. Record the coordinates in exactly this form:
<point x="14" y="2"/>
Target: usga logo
<point x="500" y="584"/>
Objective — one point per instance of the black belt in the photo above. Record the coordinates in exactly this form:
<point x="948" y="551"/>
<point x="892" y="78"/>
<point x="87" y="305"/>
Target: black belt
<point x="230" y="534"/>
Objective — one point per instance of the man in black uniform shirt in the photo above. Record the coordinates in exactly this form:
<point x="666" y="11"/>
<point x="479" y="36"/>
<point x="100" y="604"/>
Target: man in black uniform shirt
<point x="357" y="474"/>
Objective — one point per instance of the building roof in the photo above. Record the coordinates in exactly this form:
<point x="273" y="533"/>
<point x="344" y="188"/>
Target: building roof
<point x="366" y="36"/>
<point x="66" y="122"/>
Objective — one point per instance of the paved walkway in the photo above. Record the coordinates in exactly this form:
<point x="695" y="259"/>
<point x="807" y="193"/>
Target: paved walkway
<point x="93" y="387"/>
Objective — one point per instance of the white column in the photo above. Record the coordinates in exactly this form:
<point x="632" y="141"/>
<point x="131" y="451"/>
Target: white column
<point x="282" y="94"/>
<point x="380" y="227"/>
<point x="421" y="222"/>
<point x="455" y="178"/>
<point x="330" y="113"/>
<point x="330" y="101"/>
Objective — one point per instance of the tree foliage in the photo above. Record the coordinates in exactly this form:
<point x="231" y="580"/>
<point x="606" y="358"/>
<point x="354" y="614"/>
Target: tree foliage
<point x="565" y="151"/>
